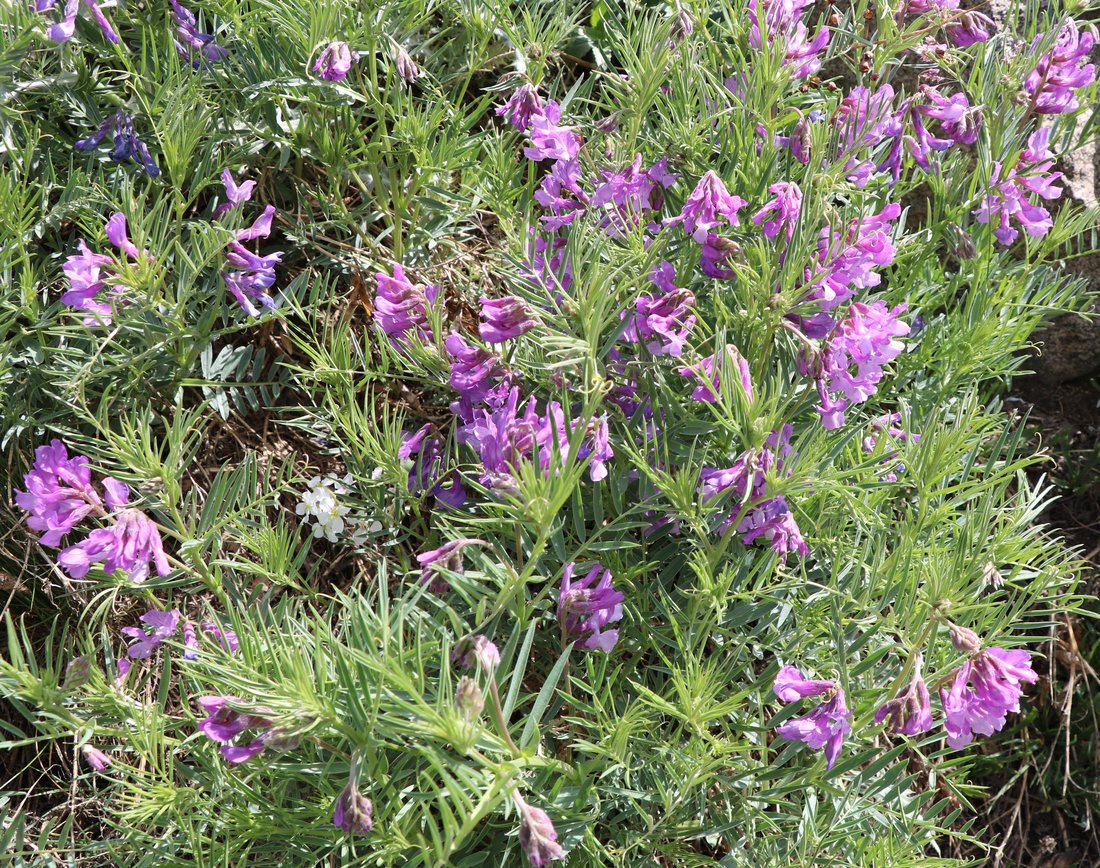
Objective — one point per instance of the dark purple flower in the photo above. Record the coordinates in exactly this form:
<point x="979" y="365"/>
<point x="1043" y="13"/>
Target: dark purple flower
<point x="626" y="197"/>
<point x="406" y="67"/>
<point x="475" y="373"/>
<point x="447" y="557"/>
<point x="910" y="712"/>
<point x="521" y="107"/>
<point x="224" y="723"/>
<point x="353" y="810"/>
<point x="825" y="726"/>
<point x="59" y="493"/>
<point x="663" y="320"/>
<point x="224" y="637"/>
<point x="127" y="145"/>
<point x="249" y="276"/>
<point x="588" y="605"/>
<point x="709" y="206"/>
<point x="63" y="30"/>
<point x="164" y="624"/>
<point x="129" y="544"/>
<point x="985" y="689"/>
<point x="537" y="835"/>
<point x="401" y="307"/>
<point x="504" y="318"/>
<point x="194" y="47"/>
<point x="334" y="63"/>
<point x="968" y="28"/>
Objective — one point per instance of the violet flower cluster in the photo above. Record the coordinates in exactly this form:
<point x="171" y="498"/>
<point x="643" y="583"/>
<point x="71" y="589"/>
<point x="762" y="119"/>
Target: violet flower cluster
<point x="334" y="62"/>
<point x="248" y="276"/>
<point x="64" y="29"/>
<point x="587" y="605"/>
<point x="89" y="275"/>
<point x="783" y="27"/>
<point x="60" y="495"/>
<point x="127" y="145"/>
<point x="195" y="48"/>
<point x="1010" y="191"/>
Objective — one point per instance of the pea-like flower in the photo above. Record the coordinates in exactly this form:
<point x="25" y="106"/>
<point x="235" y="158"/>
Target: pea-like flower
<point x="521" y="107"/>
<point x="537" y="835"/>
<point x="586" y="606"/>
<point x="334" y="63"/>
<point x="825" y="726"/>
<point x="90" y="275"/>
<point x="59" y="493"/>
<point x="447" y="557"/>
<point x="353" y="811"/>
<point x="224" y="723"/>
<point x="164" y="626"/>
<point x="476" y="650"/>
<point x="710" y="206"/>
<point x="127" y="145"/>
<point x="505" y="318"/>
<point x="910" y="712"/>
<point x="401" y="307"/>
<point x="63" y="30"/>
<point x="129" y="544"/>
<point x="194" y="47"/>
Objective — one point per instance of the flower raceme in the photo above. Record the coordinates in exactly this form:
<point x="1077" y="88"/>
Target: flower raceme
<point x="1062" y="70"/>
<point x="587" y="605"/>
<point x="192" y="46"/>
<point x="224" y="723"/>
<point x="63" y="30"/>
<point x="90" y="275"/>
<point x="401" y="307"/>
<point x="537" y="835"/>
<point x="353" y="811"/>
<point x="825" y="726"/>
<point x="910" y="712"/>
<point x="247" y="275"/>
<point x="128" y="146"/>
<point x="522" y="106"/>
<point x="59" y="493"/>
<point x="1009" y="192"/>
<point x="784" y="28"/>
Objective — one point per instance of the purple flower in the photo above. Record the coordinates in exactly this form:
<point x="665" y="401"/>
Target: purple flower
<point x="549" y="141"/>
<point x="353" y="810"/>
<point x="94" y="757"/>
<point x="626" y="197"/>
<point x="1009" y="191"/>
<point x="662" y="320"/>
<point x="224" y="637"/>
<point x="248" y="275"/>
<point x="783" y="28"/>
<point x="588" y="605"/>
<point x="224" y="723"/>
<point x="476" y="650"/>
<point x="959" y="119"/>
<point x="598" y="448"/>
<point x="783" y="210"/>
<point x="401" y="307"/>
<point x="447" y="557"/>
<point x="968" y="28"/>
<point x="1062" y="70"/>
<point x="89" y="275"/>
<point x="334" y="63"/>
<point x="537" y="835"/>
<point x="475" y="375"/>
<point x="773" y="522"/>
<point x="865" y="340"/>
<point x="521" y="107"/>
<point x="825" y="726"/>
<point x="423" y="455"/>
<point x="164" y="624"/>
<point x="59" y="493"/>
<point x="127" y="144"/>
<point x="984" y="690"/>
<point x="709" y="206"/>
<point x="708" y="373"/>
<point x="910" y="712"/>
<point x="129" y="544"/>
<point x="235" y="194"/>
<point x="190" y="641"/>
<point x="504" y="318"/>
<point x="63" y="30"/>
<point x="194" y="47"/>
<point x="406" y="67"/>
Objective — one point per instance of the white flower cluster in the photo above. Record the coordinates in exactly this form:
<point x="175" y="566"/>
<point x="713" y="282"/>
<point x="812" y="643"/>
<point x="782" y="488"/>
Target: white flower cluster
<point x="321" y="504"/>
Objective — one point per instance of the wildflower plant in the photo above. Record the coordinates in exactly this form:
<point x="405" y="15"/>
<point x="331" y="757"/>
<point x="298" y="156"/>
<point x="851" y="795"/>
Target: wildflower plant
<point x="532" y="435"/>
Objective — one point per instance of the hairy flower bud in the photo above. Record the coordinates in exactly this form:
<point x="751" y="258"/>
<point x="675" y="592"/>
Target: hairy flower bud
<point x="537" y="835"/>
<point x="96" y="758"/>
<point x="469" y="698"/>
<point x="353" y="811"/>
<point x="964" y="639"/>
<point x="406" y="68"/>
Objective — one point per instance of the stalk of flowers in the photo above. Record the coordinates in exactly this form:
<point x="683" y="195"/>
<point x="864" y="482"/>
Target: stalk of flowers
<point x="192" y="46"/>
<point x="663" y="320"/>
<point x="224" y="723"/>
<point x="90" y="274"/>
<point x="1062" y="71"/>
<point x="963" y="29"/>
<point x="127" y="145"/>
<point x="825" y="726"/>
<point x="783" y="27"/>
<point x="247" y="275"/>
<point x="59" y="495"/>
<point x="64" y="29"/>
<point x="1010" y="191"/>
<point x="910" y="712"/>
<point x="709" y="207"/>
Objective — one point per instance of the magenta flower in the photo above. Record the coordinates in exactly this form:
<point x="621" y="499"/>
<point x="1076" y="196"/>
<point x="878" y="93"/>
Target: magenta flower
<point x="94" y="757"/>
<point x="985" y="689"/>
<point x="248" y="276"/>
<point x="626" y="197"/>
<point x="1053" y="83"/>
<point x="59" y="493"/>
<point x="537" y="835"/>
<point x="224" y="637"/>
<point x="708" y="373"/>
<point x="549" y="140"/>
<point x="910" y="712"/>
<point x="194" y="47"/>
<point x="164" y="624"/>
<point x="401" y="307"/>
<point x="90" y="275"/>
<point x="825" y="726"/>
<point x="353" y="811"/>
<point x="960" y="121"/>
<point x="334" y="63"/>
<point x="224" y="723"/>
<point x="709" y="206"/>
<point x="662" y="320"/>
<point x="521" y="107"/>
<point x="783" y="27"/>
<point x="504" y="318"/>
<point x="781" y="213"/>
<point x="447" y="557"/>
<point x="129" y="544"/>
<point x="588" y="605"/>
<point x="190" y="641"/>
<point x="1010" y="191"/>
<point x="235" y="194"/>
<point x="63" y="30"/>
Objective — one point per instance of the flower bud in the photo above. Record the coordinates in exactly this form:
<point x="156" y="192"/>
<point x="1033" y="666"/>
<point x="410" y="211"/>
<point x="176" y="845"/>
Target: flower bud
<point x="991" y="576"/>
<point x="474" y="650"/>
<point x="469" y="698"/>
<point x="965" y="640"/>
<point x="77" y="672"/>
<point x="406" y="68"/>
<point x="96" y="758"/>
<point x="537" y="835"/>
